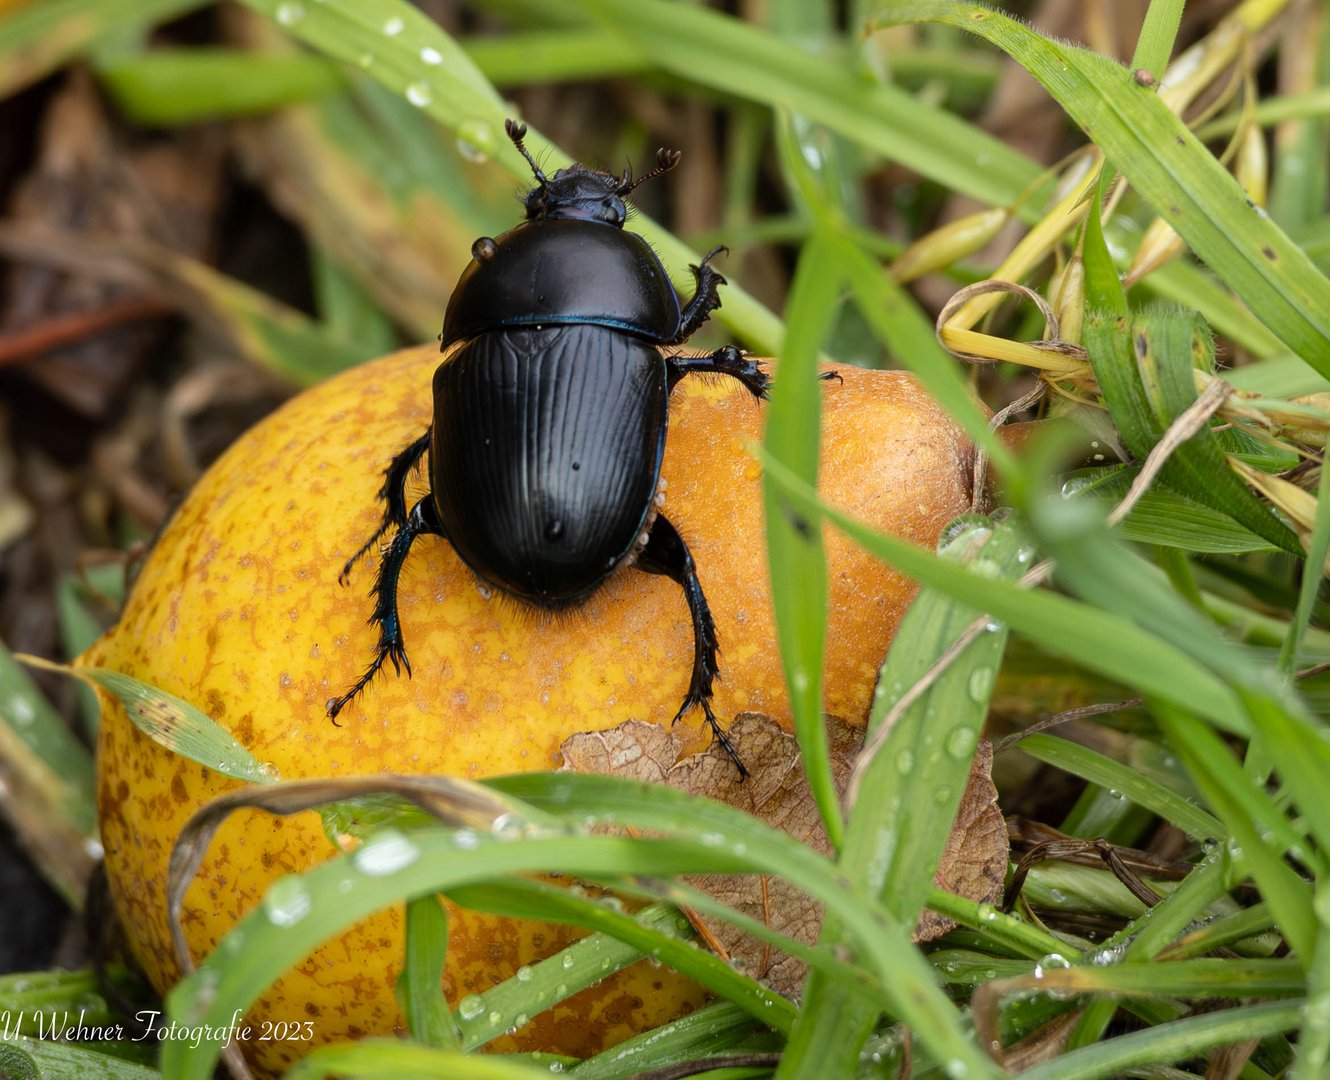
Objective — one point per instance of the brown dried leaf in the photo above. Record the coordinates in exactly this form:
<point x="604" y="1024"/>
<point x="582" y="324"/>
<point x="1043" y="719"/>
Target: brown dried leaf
<point x="973" y="864"/>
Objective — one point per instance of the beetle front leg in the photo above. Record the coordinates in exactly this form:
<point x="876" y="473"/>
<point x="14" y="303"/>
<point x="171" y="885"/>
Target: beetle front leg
<point x="420" y="522"/>
<point x="727" y="360"/>
<point x="393" y="492"/>
<point x="666" y="553"/>
<point x="705" y="300"/>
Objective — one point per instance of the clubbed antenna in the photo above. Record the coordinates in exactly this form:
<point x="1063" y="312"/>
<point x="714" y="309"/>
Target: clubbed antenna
<point x="665" y="161"/>
<point x="517" y="132"/>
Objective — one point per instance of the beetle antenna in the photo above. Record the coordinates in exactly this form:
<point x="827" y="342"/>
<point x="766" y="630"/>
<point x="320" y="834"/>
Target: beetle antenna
<point x="665" y="161"/>
<point x="517" y="132"/>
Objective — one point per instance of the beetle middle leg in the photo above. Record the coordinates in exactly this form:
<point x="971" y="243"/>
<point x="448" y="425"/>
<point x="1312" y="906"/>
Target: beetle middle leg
<point x="420" y="522"/>
<point x="393" y="492"/>
<point x="727" y="360"/>
<point x="666" y="553"/>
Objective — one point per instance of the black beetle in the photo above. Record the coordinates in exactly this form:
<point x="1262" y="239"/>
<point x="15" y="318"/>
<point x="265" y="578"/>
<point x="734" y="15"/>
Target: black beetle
<point x="550" y="413"/>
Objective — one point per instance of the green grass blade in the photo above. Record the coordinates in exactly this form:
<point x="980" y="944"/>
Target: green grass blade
<point x="1170" y="168"/>
<point x="1159" y="31"/>
<point x="656" y="931"/>
<point x="897" y="321"/>
<point x="1104" y="642"/>
<point x="794" y="549"/>
<point x="178" y="726"/>
<point x="1098" y="769"/>
<point x="38" y="726"/>
<point x="1249" y="815"/>
<point x="1317" y="550"/>
<point x="711" y="1031"/>
<point x="726" y="54"/>
<point x="909" y="987"/>
<point x="184" y="86"/>
<point x="374" y="1059"/>
<point x="38" y="37"/>
<point x="891" y="848"/>
<point x="1313" y="1054"/>
<point x="1167" y="1044"/>
<point x="1145" y="369"/>
<point x="419" y="987"/>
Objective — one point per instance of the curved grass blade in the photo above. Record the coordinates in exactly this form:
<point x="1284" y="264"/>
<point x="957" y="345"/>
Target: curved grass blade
<point x="175" y="724"/>
<point x="909" y="987"/>
<point x="1166" y="1044"/>
<point x="1170" y="168"/>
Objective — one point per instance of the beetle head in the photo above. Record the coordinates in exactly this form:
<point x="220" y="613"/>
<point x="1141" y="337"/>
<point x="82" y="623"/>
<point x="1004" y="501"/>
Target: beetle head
<point x="582" y="192"/>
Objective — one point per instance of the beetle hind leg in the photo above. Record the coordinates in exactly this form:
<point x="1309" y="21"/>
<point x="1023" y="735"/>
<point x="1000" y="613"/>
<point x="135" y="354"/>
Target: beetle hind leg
<point x="666" y="553"/>
<point x="392" y="492"/>
<point x="420" y="522"/>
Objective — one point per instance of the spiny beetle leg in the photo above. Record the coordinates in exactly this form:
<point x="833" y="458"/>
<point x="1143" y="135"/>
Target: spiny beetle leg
<point x="727" y="360"/>
<point x="393" y="492"/>
<point x="420" y="522"/>
<point x="666" y="553"/>
<point x="705" y="300"/>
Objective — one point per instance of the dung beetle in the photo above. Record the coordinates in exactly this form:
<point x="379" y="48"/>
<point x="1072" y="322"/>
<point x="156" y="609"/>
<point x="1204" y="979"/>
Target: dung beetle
<point x="550" y="411"/>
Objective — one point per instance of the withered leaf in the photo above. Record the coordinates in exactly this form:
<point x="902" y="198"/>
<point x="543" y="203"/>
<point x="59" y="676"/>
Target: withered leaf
<point x="973" y="863"/>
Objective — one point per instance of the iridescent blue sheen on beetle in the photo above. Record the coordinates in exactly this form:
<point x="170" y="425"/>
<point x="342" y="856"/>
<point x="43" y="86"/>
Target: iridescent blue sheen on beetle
<point x="550" y="412"/>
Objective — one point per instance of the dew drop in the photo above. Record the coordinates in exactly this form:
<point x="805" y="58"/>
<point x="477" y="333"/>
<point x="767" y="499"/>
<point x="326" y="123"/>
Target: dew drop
<point x="475" y="140"/>
<point x="394" y="26"/>
<point x="524" y="974"/>
<point x="568" y="961"/>
<point x="981" y="683"/>
<point x="287" y="901"/>
<point x="466" y="839"/>
<point x="961" y="742"/>
<point x="905" y="762"/>
<point x="470" y="1007"/>
<point x="431" y="56"/>
<point x="419" y="94"/>
<point x="290" y="12"/>
<point x="385" y="853"/>
<point x="1073" y="487"/>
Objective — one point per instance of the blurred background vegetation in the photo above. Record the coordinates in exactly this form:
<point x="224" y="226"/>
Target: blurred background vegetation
<point x="207" y="206"/>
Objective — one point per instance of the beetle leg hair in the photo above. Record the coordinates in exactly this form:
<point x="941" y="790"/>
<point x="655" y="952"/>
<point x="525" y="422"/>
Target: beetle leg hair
<point x="420" y="522"/>
<point x="705" y="300"/>
<point x="666" y="553"/>
<point x="727" y="360"/>
<point x="393" y="492"/>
